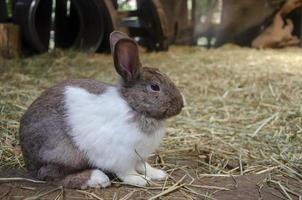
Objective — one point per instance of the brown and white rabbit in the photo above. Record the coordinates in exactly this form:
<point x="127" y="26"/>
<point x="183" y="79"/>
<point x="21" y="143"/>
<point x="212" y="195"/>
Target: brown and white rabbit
<point x="79" y="129"/>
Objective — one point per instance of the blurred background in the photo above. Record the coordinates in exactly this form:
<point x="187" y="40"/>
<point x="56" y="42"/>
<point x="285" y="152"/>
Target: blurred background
<point x="237" y="62"/>
<point x="155" y="24"/>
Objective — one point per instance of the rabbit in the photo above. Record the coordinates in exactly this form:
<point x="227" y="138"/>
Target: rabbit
<point x="79" y="130"/>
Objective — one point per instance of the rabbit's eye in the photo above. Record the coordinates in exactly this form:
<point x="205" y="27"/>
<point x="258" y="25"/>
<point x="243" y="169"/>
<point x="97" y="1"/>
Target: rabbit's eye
<point x="154" y="87"/>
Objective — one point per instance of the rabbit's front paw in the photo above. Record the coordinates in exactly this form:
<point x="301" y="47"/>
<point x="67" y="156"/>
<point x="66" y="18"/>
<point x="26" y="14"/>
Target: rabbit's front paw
<point x="156" y="174"/>
<point x="151" y="172"/>
<point x="134" y="179"/>
<point x="97" y="179"/>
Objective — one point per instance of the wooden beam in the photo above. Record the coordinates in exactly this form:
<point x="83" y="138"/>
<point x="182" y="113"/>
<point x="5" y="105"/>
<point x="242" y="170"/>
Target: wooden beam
<point x="300" y="36"/>
<point x="10" y="43"/>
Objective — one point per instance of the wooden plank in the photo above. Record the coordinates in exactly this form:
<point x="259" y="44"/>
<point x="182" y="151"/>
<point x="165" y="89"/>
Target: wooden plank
<point x="123" y="14"/>
<point x="179" y="21"/>
<point x="112" y="13"/>
<point x="10" y="42"/>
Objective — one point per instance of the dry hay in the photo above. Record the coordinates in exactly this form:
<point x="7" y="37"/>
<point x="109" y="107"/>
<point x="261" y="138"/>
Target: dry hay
<point x="243" y="113"/>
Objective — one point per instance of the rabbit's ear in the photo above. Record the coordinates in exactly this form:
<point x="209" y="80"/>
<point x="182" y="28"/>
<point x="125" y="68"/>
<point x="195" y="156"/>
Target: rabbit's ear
<point x="124" y="51"/>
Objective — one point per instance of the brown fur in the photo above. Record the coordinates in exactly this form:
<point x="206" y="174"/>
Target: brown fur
<point x="135" y="81"/>
<point x="159" y="105"/>
<point x="44" y="134"/>
<point x="48" y="150"/>
<point x="50" y="172"/>
<point x="77" y="180"/>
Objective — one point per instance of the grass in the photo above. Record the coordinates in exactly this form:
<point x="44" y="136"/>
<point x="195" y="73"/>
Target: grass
<point x="243" y="113"/>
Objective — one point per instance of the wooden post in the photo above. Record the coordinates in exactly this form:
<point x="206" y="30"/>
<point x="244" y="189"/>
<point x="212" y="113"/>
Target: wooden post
<point x="10" y="43"/>
<point x="300" y="36"/>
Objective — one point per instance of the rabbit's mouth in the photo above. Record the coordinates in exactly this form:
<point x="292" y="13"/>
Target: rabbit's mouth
<point x="172" y="110"/>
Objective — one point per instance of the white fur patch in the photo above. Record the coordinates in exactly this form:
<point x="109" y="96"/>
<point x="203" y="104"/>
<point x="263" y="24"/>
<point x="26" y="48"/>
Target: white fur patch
<point x="184" y="99"/>
<point x="97" y="179"/>
<point x="101" y="128"/>
<point x="133" y="178"/>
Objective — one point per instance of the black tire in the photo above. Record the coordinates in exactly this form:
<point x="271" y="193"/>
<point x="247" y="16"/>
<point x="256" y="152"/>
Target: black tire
<point x="82" y="29"/>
